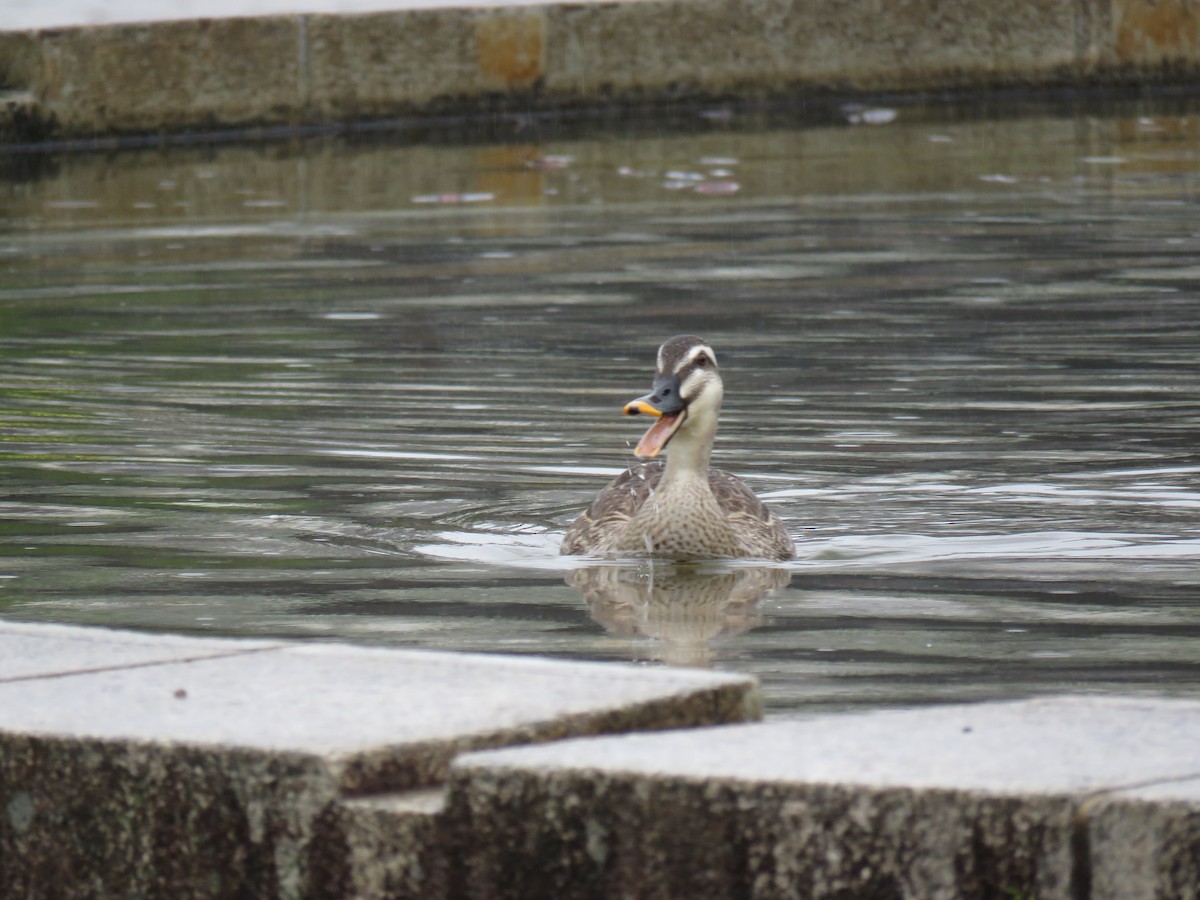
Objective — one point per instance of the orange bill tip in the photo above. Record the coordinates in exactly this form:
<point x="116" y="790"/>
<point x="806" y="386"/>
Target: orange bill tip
<point x="633" y="407"/>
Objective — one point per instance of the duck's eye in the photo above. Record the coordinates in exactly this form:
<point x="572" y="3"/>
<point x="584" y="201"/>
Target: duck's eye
<point x="702" y="360"/>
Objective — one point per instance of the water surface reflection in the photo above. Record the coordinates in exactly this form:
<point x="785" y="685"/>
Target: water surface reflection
<point x="683" y="608"/>
<point x="281" y="391"/>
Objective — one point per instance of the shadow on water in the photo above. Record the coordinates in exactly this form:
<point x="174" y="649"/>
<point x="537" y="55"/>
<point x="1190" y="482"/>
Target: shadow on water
<point x="355" y="388"/>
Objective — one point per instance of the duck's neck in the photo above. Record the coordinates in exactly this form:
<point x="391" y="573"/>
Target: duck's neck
<point x="690" y="452"/>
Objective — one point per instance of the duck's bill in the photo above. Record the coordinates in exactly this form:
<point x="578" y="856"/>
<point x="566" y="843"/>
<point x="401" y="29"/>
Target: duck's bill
<point x="664" y="428"/>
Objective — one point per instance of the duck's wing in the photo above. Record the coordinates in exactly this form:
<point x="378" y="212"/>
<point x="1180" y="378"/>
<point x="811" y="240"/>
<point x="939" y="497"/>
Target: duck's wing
<point x="763" y="533"/>
<point x="599" y="524"/>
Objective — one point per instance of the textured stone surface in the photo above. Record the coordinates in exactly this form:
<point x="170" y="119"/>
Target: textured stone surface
<point x="19" y="58"/>
<point x="140" y="765"/>
<point x="89" y="818"/>
<point x="385" y="62"/>
<point x="380" y="719"/>
<point x="321" y="64"/>
<point x="1144" y="842"/>
<point x="759" y="46"/>
<point x="978" y="801"/>
<point x="1154" y="33"/>
<point x="170" y="75"/>
<point x="232" y="768"/>
<point x="389" y="845"/>
<point x="38" y="651"/>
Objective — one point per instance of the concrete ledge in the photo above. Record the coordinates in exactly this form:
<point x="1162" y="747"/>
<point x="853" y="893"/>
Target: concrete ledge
<point x="167" y="766"/>
<point x="47" y="651"/>
<point x="1144" y="842"/>
<point x="1061" y="798"/>
<point x="390" y="845"/>
<point x="318" y="67"/>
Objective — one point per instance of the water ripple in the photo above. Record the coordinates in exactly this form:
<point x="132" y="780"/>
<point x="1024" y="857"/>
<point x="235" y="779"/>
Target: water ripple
<point x="963" y="371"/>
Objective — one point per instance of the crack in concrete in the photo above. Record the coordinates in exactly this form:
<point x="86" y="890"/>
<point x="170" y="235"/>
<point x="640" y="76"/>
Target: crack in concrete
<point x="118" y="667"/>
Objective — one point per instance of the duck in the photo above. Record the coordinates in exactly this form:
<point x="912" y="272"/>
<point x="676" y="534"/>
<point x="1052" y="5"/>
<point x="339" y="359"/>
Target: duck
<point x="680" y="509"/>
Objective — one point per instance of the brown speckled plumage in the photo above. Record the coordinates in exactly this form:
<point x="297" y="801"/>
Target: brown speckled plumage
<point x="624" y="519"/>
<point x="682" y="509"/>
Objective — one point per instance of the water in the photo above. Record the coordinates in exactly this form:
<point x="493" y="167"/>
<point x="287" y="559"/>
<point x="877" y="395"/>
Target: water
<point x="355" y="388"/>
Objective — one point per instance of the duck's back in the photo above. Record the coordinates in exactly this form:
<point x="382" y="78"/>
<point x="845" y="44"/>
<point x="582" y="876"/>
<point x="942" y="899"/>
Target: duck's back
<point x="761" y="532"/>
<point x="601" y="527"/>
<point x="598" y="528"/>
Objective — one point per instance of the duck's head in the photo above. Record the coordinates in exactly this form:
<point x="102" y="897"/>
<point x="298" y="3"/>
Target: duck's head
<point x="686" y="395"/>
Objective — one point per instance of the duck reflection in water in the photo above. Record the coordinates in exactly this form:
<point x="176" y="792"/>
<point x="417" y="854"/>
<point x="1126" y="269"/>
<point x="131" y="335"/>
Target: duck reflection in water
<point x="677" y="513"/>
<point x="683" y="606"/>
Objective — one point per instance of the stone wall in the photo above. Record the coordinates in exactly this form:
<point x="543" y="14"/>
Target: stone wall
<point x="323" y="68"/>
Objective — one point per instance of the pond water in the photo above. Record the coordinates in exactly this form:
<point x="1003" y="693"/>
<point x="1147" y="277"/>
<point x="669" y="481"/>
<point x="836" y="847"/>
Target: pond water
<point x="354" y="387"/>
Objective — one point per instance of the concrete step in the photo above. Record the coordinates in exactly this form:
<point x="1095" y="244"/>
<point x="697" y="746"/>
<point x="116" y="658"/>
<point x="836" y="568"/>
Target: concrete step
<point x="168" y="766"/>
<point x="1066" y="798"/>
<point x="134" y="764"/>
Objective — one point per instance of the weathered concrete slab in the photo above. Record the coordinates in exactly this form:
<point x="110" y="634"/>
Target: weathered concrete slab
<point x="40" y="651"/>
<point x="388" y="845"/>
<point x="229" y="774"/>
<point x="965" y="801"/>
<point x="378" y="719"/>
<point x="317" y="63"/>
<point x="1143" y="843"/>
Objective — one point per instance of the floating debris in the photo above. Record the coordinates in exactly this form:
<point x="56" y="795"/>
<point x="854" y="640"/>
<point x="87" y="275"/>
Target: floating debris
<point x="720" y="114"/>
<point x="712" y="184"/>
<point x="717" y="188"/>
<point x="351" y="316"/>
<point x="451" y="199"/>
<point x="546" y="163"/>
<point x="869" y="115"/>
<point x="999" y="179"/>
<point x="72" y="204"/>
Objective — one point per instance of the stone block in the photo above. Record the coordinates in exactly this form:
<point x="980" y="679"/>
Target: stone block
<point x="510" y="46"/>
<point x="1154" y="34"/>
<point x="91" y="818"/>
<point x="752" y="47"/>
<point x="19" y="59"/>
<point x="189" y="773"/>
<point x="347" y="61"/>
<point x="170" y="75"/>
<point x="21" y="116"/>
<point x="381" y="63"/>
<point x="1143" y="842"/>
<point x="966" y="801"/>
<point x="959" y="45"/>
<point x="388" y="845"/>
